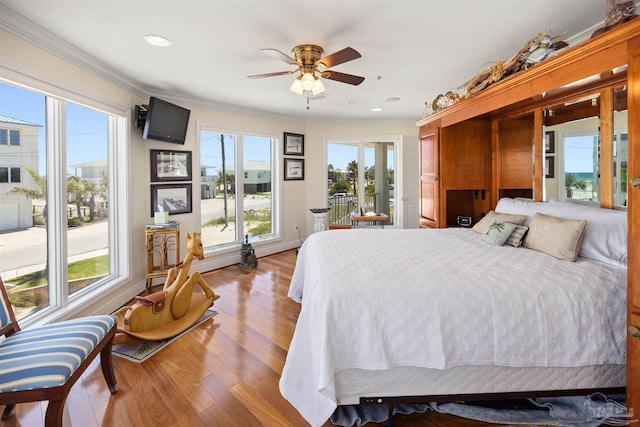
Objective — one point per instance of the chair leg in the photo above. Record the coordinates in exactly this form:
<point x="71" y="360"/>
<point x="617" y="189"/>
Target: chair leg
<point x="8" y="410"/>
<point x="106" y="362"/>
<point x="55" y="412"/>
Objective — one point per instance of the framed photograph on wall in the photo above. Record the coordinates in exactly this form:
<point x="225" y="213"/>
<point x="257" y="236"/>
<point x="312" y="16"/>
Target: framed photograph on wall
<point x="293" y="144"/>
<point x="172" y="198"/>
<point x="549" y="164"/>
<point x="170" y="165"/>
<point x="293" y="169"/>
<point x="549" y="142"/>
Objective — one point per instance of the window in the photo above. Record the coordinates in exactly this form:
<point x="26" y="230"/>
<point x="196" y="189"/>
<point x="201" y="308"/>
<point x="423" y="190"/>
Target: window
<point x="14" y="137"/>
<point x="572" y="157"/>
<point x="9" y="137"/>
<point x="15" y="174"/>
<point x="87" y="147"/>
<point x="620" y="147"/>
<point x="620" y="161"/>
<point x="57" y="223"/>
<point x="9" y="174"/>
<point x="236" y="176"/>
<point x="581" y="167"/>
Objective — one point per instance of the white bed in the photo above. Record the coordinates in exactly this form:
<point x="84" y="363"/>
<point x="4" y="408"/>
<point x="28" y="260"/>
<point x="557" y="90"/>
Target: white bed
<point x="440" y="312"/>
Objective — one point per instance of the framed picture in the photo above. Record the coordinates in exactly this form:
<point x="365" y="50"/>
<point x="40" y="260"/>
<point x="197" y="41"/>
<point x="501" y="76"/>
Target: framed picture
<point x="549" y="163"/>
<point x="549" y="142"/>
<point x="293" y="144"/>
<point x="169" y="165"/>
<point x="293" y="169"/>
<point x="172" y="198"/>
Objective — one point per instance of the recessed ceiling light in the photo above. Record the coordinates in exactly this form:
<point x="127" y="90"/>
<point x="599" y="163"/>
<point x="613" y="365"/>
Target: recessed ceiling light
<point x="376" y="109"/>
<point x="391" y="99"/>
<point x="156" y="40"/>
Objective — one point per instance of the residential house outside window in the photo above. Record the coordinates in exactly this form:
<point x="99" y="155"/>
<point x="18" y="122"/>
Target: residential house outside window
<point x="237" y="176"/>
<point x="57" y="224"/>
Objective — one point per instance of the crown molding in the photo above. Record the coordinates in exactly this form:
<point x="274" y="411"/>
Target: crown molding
<point x="28" y="30"/>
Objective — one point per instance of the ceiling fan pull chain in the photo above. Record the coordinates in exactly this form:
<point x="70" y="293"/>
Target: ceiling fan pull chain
<point x="307" y="101"/>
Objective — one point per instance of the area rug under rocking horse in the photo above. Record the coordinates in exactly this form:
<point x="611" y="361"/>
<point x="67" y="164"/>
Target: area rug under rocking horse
<point x="140" y="352"/>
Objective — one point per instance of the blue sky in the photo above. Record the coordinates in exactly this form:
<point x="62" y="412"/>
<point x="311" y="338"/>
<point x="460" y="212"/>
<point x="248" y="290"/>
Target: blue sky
<point x="578" y="155"/>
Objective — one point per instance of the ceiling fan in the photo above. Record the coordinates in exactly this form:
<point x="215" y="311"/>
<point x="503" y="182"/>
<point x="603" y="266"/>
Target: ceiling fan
<point x="308" y="58"/>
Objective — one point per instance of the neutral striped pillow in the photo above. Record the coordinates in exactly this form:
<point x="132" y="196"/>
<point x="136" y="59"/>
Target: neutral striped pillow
<point x="517" y="236"/>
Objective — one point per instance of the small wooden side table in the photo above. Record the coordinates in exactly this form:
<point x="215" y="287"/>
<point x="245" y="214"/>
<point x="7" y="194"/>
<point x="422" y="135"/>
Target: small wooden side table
<point x="363" y="220"/>
<point x="163" y="251"/>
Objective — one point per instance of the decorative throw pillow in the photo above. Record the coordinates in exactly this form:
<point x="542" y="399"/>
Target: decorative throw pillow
<point x="498" y="233"/>
<point x="560" y="238"/>
<point x="483" y="225"/>
<point x="517" y="236"/>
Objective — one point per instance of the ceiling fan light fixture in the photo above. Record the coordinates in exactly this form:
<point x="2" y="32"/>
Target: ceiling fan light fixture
<point x="308" y="80"/>
<point x="309" y="61"/>
<point x="318" y="87"/>
<point x="296" y="87"/>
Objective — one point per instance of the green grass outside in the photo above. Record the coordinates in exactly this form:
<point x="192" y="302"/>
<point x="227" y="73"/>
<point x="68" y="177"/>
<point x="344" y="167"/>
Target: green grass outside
<point x="90" y="267"/>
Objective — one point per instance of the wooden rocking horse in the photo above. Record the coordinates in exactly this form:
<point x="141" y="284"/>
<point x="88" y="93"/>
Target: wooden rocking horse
<point x="172" y="310"/>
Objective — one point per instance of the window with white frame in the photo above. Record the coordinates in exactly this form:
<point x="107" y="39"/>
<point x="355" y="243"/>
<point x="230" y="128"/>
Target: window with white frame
<point x="58" y="200"/>
<point x="9" y="174"/>
<point x="236" y="176"/>
<point x="9" y="136"/>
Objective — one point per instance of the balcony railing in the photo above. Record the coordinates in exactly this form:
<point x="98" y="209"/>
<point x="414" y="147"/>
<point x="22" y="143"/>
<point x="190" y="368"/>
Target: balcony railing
<point x="341" y="207"/>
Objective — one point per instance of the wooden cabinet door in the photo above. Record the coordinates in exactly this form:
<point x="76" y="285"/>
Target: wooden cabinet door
<point x="429" y="180"/>
<point x="633" y="212"/>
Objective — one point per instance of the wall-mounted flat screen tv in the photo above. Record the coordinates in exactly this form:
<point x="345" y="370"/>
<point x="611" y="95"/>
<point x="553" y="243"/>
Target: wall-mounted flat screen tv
<point x="166" y="121"/>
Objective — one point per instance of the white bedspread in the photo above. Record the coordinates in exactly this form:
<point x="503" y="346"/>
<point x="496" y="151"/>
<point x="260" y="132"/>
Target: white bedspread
<point x="375" y="299"/>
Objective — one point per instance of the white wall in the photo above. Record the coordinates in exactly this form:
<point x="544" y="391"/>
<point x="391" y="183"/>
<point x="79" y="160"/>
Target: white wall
<point x="30" y="65"/>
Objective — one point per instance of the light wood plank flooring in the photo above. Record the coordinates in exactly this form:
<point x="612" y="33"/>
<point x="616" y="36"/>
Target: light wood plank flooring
<point x="223" y="373"/>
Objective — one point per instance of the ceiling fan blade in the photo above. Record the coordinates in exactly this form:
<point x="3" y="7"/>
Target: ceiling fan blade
<point x="342" y="77"/>
<point x="275" y="53"/>
<point x="340" y="57"/>
<point x="280" y="73"/>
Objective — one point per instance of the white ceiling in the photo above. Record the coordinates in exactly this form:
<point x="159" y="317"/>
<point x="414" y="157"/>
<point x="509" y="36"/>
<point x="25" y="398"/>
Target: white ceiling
<point x="413" y="50"/>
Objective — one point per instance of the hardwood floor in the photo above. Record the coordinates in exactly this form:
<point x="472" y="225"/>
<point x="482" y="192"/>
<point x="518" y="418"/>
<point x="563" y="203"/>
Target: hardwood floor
<point x="223" y="373"/>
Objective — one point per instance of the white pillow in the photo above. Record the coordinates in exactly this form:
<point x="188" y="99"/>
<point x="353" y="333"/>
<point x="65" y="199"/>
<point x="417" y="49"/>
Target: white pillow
<point x="560" y="238"/>
<point x="520" y="206"/>
<point x="605" y="237"/>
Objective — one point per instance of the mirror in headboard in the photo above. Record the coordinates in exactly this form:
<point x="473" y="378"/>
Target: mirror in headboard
<point x="584" y="140"/>
<point x="572" y="149"/>
<point x="620" y="146"/>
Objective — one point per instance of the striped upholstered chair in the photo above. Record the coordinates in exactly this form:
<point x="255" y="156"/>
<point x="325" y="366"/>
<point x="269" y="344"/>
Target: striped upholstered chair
<point x="43" y="363"/>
